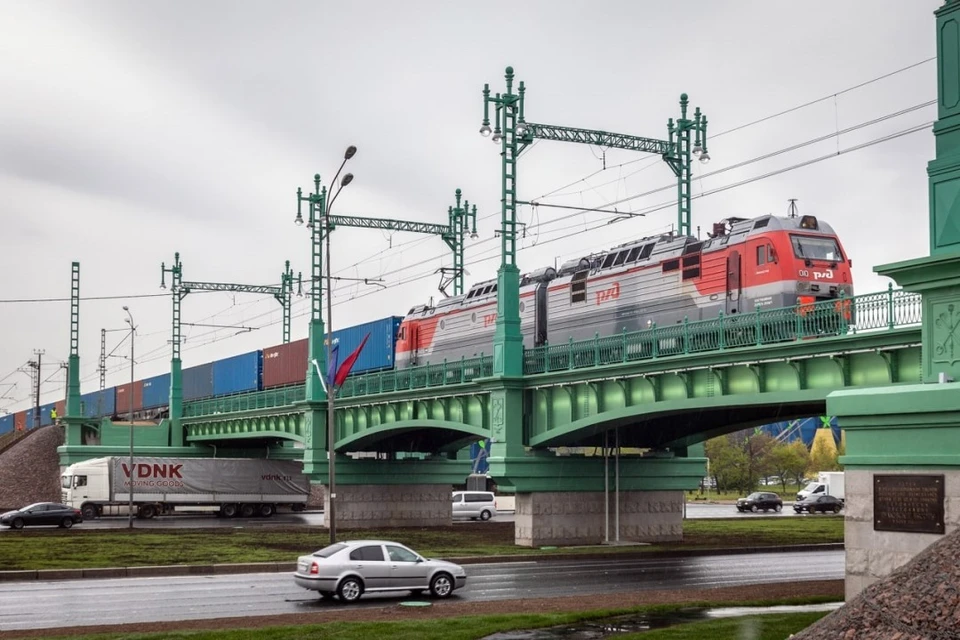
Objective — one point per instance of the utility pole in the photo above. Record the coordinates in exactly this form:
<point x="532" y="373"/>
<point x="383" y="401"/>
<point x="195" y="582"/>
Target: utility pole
<point x="459" y="219"/>
<point x="35" y="365"/>
<point x="103" y="359"/>
<point x="179" y="290"/>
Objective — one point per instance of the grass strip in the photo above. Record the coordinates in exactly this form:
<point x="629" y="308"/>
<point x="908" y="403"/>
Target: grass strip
<point x="475" y="627"/>
<point x="95" y="548"/>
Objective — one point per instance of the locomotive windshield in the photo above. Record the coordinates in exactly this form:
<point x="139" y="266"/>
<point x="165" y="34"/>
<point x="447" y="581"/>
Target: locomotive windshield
<point x="816" y="248"/>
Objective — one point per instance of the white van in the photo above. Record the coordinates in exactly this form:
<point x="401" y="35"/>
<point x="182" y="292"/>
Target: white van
<point x="474" y="504"/>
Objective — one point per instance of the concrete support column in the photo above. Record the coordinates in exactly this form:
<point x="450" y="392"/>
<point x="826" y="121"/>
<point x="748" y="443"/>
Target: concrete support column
<point x="872" y="555"/>
<point x="370" y="506"/>
<point x="577" y="517"/>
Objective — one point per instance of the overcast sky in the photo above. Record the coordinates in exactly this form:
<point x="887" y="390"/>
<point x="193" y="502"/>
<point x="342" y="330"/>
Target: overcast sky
<point x="132" y="130"/>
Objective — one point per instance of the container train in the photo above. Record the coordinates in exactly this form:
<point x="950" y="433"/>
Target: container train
<point x="272" y="367"/>
<point x="745" y="265"/>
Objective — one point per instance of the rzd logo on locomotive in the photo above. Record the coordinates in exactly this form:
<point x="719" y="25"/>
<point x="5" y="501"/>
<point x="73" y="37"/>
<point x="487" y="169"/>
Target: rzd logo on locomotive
<point x="610" y="293"/>
<point x="489" y="319"/>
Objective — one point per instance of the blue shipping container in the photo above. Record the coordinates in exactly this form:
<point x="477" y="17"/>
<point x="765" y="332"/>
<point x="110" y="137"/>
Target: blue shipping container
<point x="6" y="424"/>
<point x="98" y="404"/>
<point x="45" y="415"/>
<point x="379" y="351"/>
<point x="198" y="382"/>
<point x="237" y="374"/>
<point x="156" y="391"/>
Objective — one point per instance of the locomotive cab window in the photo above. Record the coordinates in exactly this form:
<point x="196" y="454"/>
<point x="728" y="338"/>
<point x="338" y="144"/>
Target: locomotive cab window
<point x="762" y="255"/>
<point x="578" y="287"/>
<point x="816" y="248"/>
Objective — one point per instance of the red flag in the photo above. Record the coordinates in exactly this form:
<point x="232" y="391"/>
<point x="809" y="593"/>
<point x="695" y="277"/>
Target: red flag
<point x="344" y="370"/>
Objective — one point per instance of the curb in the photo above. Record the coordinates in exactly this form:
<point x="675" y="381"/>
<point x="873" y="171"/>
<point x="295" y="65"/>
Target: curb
<point x="284" y="567"/>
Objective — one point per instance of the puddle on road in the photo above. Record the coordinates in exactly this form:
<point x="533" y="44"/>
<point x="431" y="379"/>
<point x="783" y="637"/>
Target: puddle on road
<point x="612" y="627"/>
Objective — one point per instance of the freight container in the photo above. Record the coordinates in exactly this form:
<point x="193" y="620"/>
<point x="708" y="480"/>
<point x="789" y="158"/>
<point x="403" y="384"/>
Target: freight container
<point x="238" y="374"/>
<point x="6" y="424"/>
<point x="46" y="417"/>
<point x="97" y="404"/>
<point x="61" y="407"/>
<point x="123" y="397"/>
<point x="156" y="391"/>
<point x="20" y="420"/>
<point x="198" y="382"/>
<point x="285" y="364"/>
<point x="378" y="352"/>
<point x="238" y="486"/>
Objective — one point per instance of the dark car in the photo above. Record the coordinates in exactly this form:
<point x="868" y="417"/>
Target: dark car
<point x="41" y="513"/>
<point x="815" y="503"/>
<point x="760" y="500"/>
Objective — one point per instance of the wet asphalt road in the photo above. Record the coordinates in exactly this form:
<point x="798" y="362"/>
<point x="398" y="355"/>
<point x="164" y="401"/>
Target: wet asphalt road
<point x="78" y="603"/>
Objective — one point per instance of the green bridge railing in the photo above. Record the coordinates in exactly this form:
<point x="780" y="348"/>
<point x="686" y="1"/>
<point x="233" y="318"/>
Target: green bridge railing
<point x="282" y="397"/>
<point x="840" y="316"/>
<point x="427" y="375"/>
<point x="890" y="309"/>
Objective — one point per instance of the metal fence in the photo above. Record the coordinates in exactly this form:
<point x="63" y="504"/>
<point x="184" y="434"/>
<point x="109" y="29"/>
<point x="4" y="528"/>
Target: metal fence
<point x="428" y="375"/>
<point x="837" y="317"/>
<point x="841" y="316"/>
<point x="282" y="397"/>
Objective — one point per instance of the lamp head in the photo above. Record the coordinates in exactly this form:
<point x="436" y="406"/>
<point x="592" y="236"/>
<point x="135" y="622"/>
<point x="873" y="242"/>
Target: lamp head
<point x="347" y="179"/>
<point x="704" y="157"/>
<point x="351" y="151"/>
<point x="522" y="129"/>
<point x="485" y="130"/>
<point x="126" y="308"/>
<point x="496" y="137"/>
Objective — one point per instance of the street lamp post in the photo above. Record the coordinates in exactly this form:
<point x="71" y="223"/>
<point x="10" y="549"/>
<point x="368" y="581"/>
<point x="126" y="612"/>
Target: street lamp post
<point x="319" y="223"/>
<point x="133" y="330"/>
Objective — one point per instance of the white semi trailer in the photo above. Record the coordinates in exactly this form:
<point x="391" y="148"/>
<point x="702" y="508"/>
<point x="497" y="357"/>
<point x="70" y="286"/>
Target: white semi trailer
<point x="232" y="486"/>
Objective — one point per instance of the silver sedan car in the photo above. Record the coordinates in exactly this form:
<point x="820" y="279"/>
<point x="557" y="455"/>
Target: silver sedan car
<point x="348" y="569"/>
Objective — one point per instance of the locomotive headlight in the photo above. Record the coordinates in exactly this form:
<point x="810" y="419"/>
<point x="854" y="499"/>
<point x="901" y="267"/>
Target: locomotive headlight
<point x="803" y="287"/>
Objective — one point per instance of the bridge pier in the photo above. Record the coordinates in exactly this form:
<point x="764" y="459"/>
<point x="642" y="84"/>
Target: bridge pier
<point x="588" y="517"/>
<point x="372" y="506"/>
<point x="562" y="500"/>
<point x="374" y="493"/>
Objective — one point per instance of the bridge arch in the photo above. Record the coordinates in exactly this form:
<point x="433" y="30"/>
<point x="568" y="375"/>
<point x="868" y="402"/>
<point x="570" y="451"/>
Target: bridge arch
<point x="414" y="435"/>
<point x="684" y="422"/>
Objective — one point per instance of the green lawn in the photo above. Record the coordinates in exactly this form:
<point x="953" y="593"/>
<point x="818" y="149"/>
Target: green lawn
<point x="759" y="627"/>
<point x="78" y="548"/>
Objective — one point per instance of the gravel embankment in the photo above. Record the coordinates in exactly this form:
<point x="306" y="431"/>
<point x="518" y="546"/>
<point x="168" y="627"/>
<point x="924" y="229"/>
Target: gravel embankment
<point x="918" y="601"/>
<point x="30" y="470"/>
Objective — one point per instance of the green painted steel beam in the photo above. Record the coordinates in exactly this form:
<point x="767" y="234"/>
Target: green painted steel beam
<point x="389" y="225"/>
<point x="600" y="138"/>
<point x="188" y="287"/>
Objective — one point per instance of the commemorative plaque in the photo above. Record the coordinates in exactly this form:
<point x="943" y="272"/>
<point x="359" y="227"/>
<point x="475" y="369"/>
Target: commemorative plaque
<point x="912" y="503"/>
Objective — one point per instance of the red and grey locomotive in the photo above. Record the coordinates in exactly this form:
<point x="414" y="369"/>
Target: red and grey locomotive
<point x="744" y="266"/>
